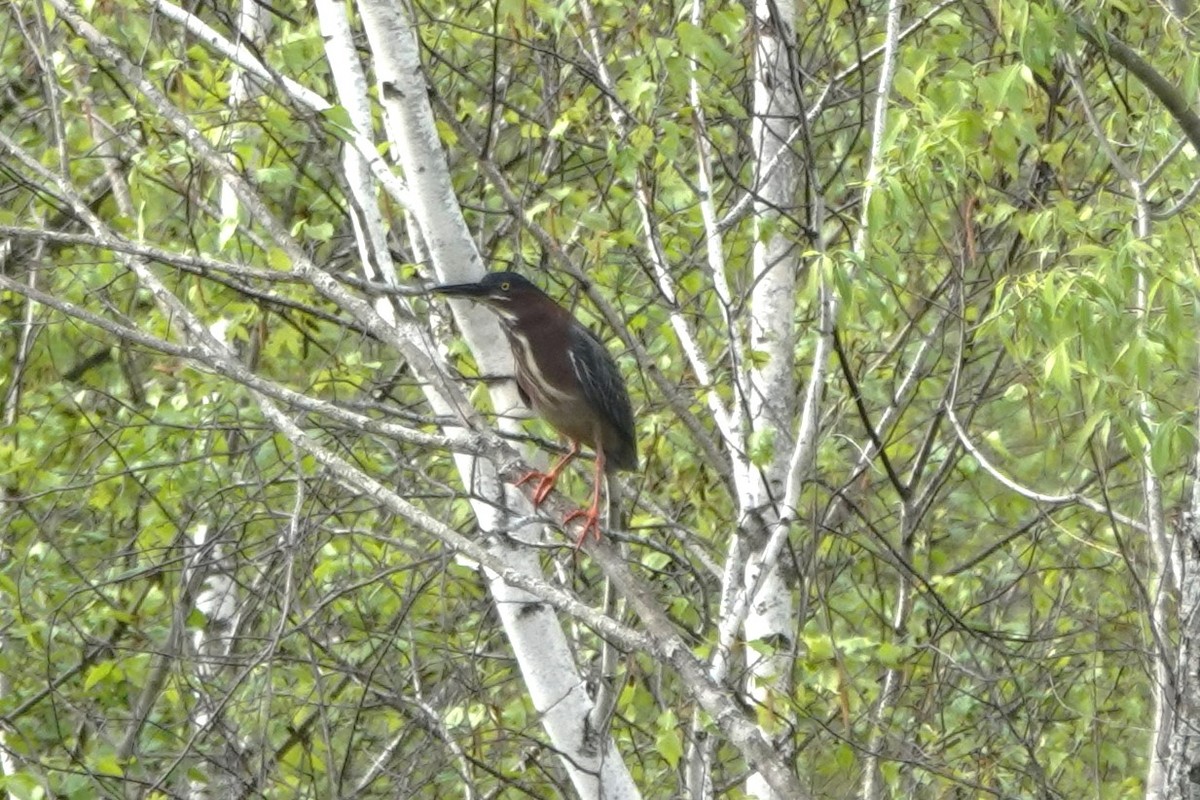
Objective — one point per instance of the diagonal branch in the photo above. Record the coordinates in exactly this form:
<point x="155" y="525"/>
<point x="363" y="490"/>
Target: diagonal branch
<point x="1167" y="93"/>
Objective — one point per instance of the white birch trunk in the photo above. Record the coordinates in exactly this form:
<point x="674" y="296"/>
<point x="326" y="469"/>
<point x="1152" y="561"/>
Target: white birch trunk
<point x="251" y="28"/>
<point x="351" y="85"/>
<point x="11" y="405"/>
<point x="1182" y="769"/>
<point x="755" y="600"/>
<point x="770" y="616"/>
<point x="534" y="632"/>
<point x="1159" y="583"/>
<point x="216" y="595"/>
<point x="209" y="574"/>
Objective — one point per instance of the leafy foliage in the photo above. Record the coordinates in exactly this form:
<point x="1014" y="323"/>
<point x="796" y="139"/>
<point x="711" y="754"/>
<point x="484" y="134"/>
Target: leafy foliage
<point x="1004" y="279"/>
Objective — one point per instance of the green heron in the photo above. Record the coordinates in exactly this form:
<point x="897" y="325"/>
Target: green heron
<point x="567" y="377"/>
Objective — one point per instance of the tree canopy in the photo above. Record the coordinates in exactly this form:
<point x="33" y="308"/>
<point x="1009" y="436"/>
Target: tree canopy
<point x="905" y="298"/>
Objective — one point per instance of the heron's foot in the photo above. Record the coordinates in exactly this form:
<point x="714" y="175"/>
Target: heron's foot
<point x="545" y="485"/>
<point x="591" y="523"/>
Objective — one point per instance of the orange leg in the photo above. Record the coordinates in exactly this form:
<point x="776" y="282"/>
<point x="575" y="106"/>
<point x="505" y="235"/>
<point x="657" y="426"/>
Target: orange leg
<point x="546" y="479"/>
<point x="591" y="517"/>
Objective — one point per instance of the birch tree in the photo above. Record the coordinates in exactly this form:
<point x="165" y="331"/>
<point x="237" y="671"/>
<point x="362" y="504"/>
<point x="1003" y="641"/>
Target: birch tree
<point x="904" y="295"/>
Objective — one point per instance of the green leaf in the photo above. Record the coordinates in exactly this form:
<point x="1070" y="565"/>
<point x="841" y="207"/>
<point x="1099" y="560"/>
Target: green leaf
<point x="229" y="226"/>
<point x="1056" y="368"/>
<point x="890" y="655"/>
<point x="669" y="742"/>
<point x="321" y="232"/>
<point x="97" y="673"/>
<point x="275" y="176"/>
<point x="108" y="764"/>
<point x="762" y="446"/>
<point x="23" y="786"/>
<point x="337" y="122"/>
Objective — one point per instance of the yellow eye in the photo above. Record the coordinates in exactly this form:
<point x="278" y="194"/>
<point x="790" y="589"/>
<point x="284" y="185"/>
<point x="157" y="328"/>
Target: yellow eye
<point x="504" y="286"/>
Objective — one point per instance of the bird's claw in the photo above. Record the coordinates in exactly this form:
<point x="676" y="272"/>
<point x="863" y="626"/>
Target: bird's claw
<point x="591" y="523"/>
<point x="546" y="481"/>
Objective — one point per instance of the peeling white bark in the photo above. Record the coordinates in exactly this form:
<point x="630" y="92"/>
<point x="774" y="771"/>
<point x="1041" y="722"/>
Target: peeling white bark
<point x="351" y="85"/>
<point x="770" y="610"/>
<point x="1181" y="780"/>
<point x="244" y="58"/>
<point x="251" y="28"/>
<point x="775" y="257"/>
<point x="209" y="574"/>
<point x="555" y="684"/>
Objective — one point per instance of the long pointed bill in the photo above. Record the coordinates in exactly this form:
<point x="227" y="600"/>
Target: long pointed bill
<point x="461" y="290"/>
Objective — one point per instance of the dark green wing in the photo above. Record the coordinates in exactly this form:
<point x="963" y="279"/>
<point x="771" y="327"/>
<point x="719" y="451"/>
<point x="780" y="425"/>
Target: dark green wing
<point x="605" y="390"/>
